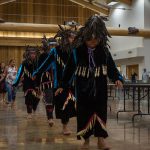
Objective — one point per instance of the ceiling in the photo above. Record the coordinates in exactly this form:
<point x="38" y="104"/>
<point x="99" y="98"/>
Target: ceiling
<point x="100" y="6"/>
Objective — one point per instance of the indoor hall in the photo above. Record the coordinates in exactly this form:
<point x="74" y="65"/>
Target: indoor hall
<point x="35" y="54"/>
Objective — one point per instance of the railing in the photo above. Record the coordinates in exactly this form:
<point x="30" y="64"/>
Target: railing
<point x="136" y="92"/>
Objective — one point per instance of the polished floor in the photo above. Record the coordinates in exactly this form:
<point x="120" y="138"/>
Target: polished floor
<point x="18" y="133"/>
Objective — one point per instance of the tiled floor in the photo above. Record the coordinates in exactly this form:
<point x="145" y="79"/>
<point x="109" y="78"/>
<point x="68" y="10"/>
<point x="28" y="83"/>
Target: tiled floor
<point x="18" y="133"/>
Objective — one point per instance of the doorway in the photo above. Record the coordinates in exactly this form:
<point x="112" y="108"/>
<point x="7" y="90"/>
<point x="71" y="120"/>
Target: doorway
<point x="131" y="69"/>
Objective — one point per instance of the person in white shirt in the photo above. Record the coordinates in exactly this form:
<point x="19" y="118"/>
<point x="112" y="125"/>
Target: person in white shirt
<point x="11" y="72"/>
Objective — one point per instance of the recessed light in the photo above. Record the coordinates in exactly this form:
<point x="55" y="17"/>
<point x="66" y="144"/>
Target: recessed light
<point x="112" y="3"/>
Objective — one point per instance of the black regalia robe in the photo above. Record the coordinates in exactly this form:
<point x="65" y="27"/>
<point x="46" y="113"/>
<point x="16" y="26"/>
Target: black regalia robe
<point x="57" y="58"/>
<point x="64" y="108"/>
<point x="26" y="70"/>
<point x="46" y="78"/>
<point x="46" y="85"/>
<point x="91" y="88"/>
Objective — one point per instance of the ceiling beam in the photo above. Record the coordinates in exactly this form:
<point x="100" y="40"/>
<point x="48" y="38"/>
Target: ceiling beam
<point x="29" y="27"/>
<point x="124" y="32"/>
<point x="53" y="28"/>
<point x="2" y="2"/>
<point x="129" y="2"/>
<point x="91" y="6"/>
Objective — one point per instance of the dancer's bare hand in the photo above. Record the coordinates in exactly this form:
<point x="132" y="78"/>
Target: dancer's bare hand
<point x="58" y="91"/>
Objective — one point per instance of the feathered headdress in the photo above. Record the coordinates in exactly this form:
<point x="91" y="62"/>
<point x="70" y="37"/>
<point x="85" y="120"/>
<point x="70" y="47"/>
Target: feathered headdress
<point x="47" y="42"/>
<point x="94" y="28"/>
<point x="52" y="41"/>
<point x="63" y="34"/>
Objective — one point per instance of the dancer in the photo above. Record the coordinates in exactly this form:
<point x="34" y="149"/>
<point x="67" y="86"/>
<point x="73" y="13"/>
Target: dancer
<point x="46" y="79"/>
<point x="91" y="63"/>
<point x="64" y="109"/>
<point x="30" y="87"/>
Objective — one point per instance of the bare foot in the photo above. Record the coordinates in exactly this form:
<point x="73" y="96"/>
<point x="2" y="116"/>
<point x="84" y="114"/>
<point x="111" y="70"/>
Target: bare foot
<point x="13" y="105"/>
<point x="50" y="122"/>
<point x="9" y="104"/>
<point x="2" y="101"/>
<point x="85" y="144"/>
<point x="29" y="116"/>
<point x="66" y="131"/>
<point x="102" y="145"/>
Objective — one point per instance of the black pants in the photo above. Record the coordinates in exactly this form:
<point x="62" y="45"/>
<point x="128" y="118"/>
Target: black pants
<point x="48" y="101"/>
<point x="31" y="102"/>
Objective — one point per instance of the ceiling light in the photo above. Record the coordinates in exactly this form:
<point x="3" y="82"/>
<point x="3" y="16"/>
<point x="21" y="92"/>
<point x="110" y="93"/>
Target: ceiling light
<point x="112" y="3"/>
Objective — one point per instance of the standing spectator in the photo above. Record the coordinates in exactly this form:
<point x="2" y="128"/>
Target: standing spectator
<point x="133" y="77"/>
<point x="2" y="81"/>
<point x="145" y="76"/>
<point x="11" y="72"/>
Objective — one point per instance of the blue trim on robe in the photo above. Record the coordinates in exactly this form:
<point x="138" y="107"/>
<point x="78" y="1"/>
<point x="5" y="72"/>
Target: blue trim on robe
<point x="18" y="74"/>
<point x="52" y="64"/>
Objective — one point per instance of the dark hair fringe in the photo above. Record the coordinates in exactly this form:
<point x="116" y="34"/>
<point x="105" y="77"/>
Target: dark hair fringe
<point x="62" y="36"/>
<point x="94" y="28"/>
<point x="26" y="54"/>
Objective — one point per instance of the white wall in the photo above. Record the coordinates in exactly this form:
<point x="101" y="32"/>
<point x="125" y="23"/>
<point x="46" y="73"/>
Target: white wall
<point x="147" y="53"/>
<point x="130" y="53"/>
<point x="120" y="43"/>
<point x="133" y="17"/>
<point x="146" y="41"/>
<point x="147" y="14"/>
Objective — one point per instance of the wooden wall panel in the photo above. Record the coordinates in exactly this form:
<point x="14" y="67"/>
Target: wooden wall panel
<point x="37" y="11"/>
<point x="7" y="53"/>
<point x="43" y="11"/>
